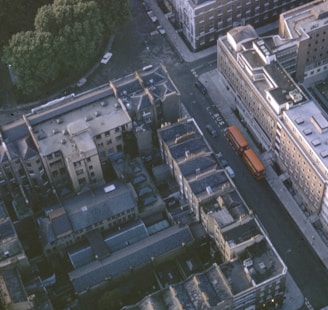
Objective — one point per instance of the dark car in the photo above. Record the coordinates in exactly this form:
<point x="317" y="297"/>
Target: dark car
<point x="148" y="200"/>
<point x="200" y="86"/>
<point x="139" y="179"/>
<point x="144" y="191"/>
<point x="212" y="131"/>
<point x="146" y="6"/>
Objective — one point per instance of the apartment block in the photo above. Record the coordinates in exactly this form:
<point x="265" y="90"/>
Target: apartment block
<point x="12" y="254"/>
<point x="308" y="25"/>
<point x="278" y="113"/>
<point x="65" y="146"/>
<point x="102" y="209"/>
<point x="255" y="280"/>
<point x="191" y="162"/>
<point x="203" y="22"/>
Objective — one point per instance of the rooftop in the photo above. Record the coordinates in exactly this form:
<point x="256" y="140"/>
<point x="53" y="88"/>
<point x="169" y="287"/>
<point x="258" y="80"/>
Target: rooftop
<point x="311" y="124"/>
<point x="306" y="18"/>
<point x="213" y="182"/>
<point x="133" y="256"/>
<point x="85" y="210"/>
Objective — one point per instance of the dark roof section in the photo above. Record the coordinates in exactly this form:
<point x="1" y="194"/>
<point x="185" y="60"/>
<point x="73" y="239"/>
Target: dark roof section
<point x="130" y="257"/>
<point x="14" y="285"/>
<point x="202" y="164"/>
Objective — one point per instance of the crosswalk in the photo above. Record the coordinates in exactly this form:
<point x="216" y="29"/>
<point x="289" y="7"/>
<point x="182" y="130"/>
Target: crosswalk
<point x="308" y="304"/>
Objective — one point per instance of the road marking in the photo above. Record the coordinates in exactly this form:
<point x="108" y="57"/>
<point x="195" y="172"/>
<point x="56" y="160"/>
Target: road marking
<point x="308" y="304"/>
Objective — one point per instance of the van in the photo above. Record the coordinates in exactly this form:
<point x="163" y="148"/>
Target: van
<point x="230" y="172"/>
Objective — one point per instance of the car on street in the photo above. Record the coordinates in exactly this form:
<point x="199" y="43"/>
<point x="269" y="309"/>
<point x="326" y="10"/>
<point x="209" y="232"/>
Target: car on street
<point x="81" y="82"/>
<point x="146" y="6"/>
<point x="160" y="29"/>
<point x="106" y="58"/>
<point x="152" y="16"/>
<point x="230" y="172"/>
<point x="200" y="86"/>
<point x="213" y="132"/>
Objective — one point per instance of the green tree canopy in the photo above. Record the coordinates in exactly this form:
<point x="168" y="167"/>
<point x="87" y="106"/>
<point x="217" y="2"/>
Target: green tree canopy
<point x="32" y="59"/>
<point x="66" y="38"/>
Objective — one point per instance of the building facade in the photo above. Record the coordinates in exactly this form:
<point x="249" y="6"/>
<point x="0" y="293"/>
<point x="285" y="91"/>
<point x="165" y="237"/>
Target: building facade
<point x="278" y="113"/>
<point x="203" y="21"/>
<point x="65" y="146"/>
<point x="308" y="25"/>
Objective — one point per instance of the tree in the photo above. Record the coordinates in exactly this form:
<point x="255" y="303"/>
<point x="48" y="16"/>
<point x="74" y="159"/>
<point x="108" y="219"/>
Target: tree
<point x="109" y="300"/>
<point x="16" y="16"/>
<point x="33" y="60"/>
<point x="114" y="13"/>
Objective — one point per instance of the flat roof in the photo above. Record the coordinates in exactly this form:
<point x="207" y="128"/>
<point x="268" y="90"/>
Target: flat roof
<point x="311" y="123"/>
<point x="132" y="256"/>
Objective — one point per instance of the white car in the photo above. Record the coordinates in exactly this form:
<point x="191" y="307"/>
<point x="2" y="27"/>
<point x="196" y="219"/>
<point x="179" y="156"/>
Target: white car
<point x="106" y="58"/>
<point x="81" y="82"/>
<point x="152" y="16"/>
<point x="160" y="29"/>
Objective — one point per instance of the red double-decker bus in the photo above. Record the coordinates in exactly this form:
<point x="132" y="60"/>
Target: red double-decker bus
<point x="254" y="164"/>
<point x="237" y="140"/>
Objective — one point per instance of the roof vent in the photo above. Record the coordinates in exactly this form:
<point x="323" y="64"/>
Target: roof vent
<point x="97" y="113"/>
<point x="103" y="103"/>
<point x="63" y="141"/>
<point x="59" y="120"/>
<point x="84" y="209"/>
<point x="55" y="131"/>
<point x="209" y="189"/>
<point x="88" y="118"/>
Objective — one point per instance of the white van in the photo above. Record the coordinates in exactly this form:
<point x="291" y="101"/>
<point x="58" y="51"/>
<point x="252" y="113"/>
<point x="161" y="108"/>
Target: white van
<point x="230" y="172"/>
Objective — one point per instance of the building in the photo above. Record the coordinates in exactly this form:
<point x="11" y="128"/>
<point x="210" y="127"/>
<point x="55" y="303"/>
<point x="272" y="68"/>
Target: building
<point x="192" y="163"/>
<point x="12" y="253"/>
<point x="308" y="25"/>
<point x="126" y="260"/>
<point x="69" y="222"/>
<point x="65" y="146"/>
<point x="255" y="280"/>
<point x="279" y="114"/>
<point x="203" y="21"/>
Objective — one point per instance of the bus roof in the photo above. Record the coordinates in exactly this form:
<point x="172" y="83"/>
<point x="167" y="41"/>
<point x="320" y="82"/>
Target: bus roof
<point x="240" y="139"/>
<point x="253" y="158"/>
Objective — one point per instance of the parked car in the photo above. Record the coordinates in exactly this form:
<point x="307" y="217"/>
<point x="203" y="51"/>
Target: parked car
<point x="213" y="132"/>
<point x="81" y="82"/>
<point x="230" y="172"/>
<point x="144" y="191"/>
<point x="152" y="16"/>
<point x="139" y="179"/>
<point x="160" y="29"/>
<point x="106" y="58"/>
<point x="146" y="6"/>
<point x="200" y="86"/>
<point x="148" y="200"/>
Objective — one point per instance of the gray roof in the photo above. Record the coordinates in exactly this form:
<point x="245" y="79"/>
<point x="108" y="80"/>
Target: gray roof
<point x="123" y="236"/>
<point x="14" y="285"/>
<point x="171" y="133"/>
<point x="93" y="207"/>
<point x="6" y="230"/>
<point x="190" y="147"/>
<point x="130" y="257"/>
<point x="194" y="166"/>
<point x="215" y="181"/>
